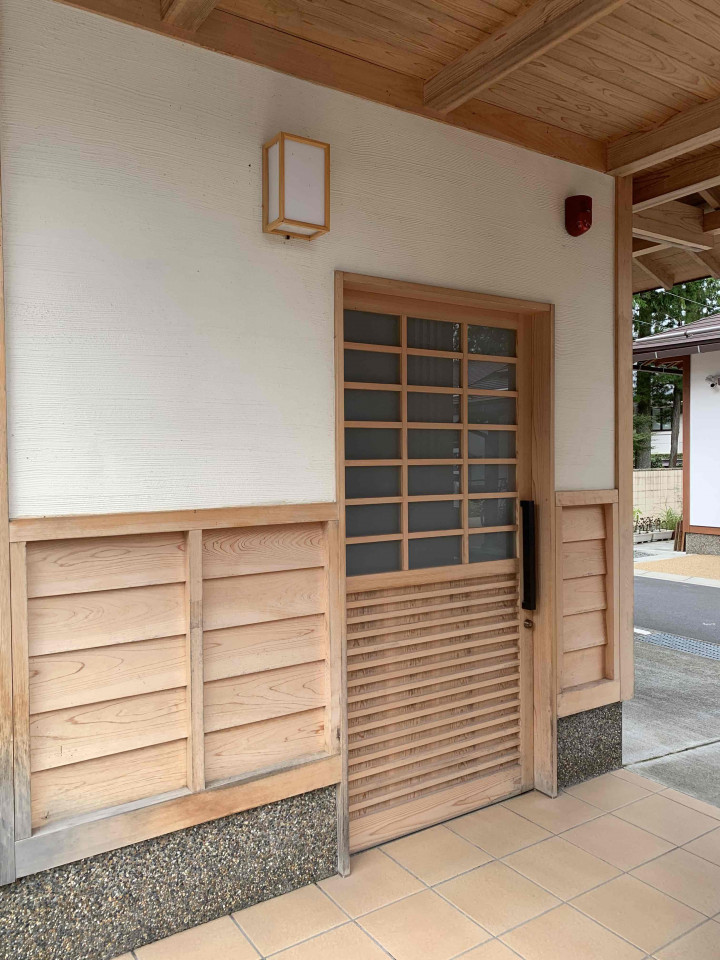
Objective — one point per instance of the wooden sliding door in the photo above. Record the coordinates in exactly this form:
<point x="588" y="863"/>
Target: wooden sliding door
<point x="436" y="454"/>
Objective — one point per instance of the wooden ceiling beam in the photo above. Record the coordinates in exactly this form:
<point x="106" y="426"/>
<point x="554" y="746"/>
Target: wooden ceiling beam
<point x="186" y="14"/>
<point x="675" y="223"/>
<point x="657" y="271"/>
<point x="243" y="39"/>
<point x="681" y="134"/>
<point x="539" y="28"/>
<point x="711" y="198"/>
<point x="692" y="175"/>
<point x="641" y="248"/>
<point x="711" y="222"/>
<point x="706" y="259"/>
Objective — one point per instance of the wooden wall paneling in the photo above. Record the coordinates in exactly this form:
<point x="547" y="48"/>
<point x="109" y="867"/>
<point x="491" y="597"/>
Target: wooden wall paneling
<point x="194" y="659"/>
<point x="612" y="590"/>
<point x="244" y="550"/>
<point x="234" y="651"/>
<point x="256" y="598"/>
<point x="333" y="651"/>
<point x="21" y="690"/>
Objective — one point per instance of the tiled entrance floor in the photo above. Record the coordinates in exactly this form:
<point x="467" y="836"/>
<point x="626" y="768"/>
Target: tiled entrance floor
<point x="614" y="869"/>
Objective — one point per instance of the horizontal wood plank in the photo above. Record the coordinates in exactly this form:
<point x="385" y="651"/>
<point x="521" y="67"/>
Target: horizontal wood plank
<point x="584" y="595"/>
<point x="235" y="651"/>
<point x="583" y="666"/>
<point x="583" y="523"/>
<point x="268" y="549"/>
<point x="81" y="620"/>
<point x="583" y="558"/>
<point x="257" y="598"/>
<point x="78" y="788"/>
<point x="588" y="696"/>
<point x="257" y="746"/>
<point x="580" y="498"/>
<point x="584" y="630"/>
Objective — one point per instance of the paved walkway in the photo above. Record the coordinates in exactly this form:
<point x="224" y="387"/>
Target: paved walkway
<point x="618" y="868"/>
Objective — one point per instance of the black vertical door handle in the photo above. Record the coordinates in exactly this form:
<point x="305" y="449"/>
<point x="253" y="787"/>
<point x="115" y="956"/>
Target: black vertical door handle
<point x="529" y="555"/>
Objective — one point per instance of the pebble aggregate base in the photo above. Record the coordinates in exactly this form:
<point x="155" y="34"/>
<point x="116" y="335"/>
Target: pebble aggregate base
<point x="101" y="907"/>
<point x="705" y="543"/>
<point x="589" y="743"/>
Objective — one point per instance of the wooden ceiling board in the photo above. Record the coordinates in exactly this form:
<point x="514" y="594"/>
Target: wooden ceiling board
<point x="685" y="16"/>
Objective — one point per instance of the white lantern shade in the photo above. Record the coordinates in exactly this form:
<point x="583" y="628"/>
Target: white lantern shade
<point x="296" y="186"/>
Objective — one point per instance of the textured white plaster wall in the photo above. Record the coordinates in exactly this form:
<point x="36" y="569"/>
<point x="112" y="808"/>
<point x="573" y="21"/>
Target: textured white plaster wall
<point x="164" y="353"/>
<point x="704" y="441"/>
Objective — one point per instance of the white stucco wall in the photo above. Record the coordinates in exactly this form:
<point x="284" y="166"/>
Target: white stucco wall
<point x="704" y="441"/>
<point x="164" y="353"/>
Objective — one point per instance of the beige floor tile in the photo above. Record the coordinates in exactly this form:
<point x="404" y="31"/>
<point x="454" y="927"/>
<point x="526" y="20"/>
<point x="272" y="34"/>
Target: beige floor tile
<point x="435" y="855"/>
<point x="342" y="943"/>
<point x="125" y="956"/>
<point x="702" y="943"/>
<point x="686" y="877"/>
<point x="652" y="785"/>
<point x="561" y="867"/>
<point x="556" y="815"/>
<point x="498" y="830"/>
<point x="708" y="809"/>
<point x="638" y="912"/>
<point x="707" y="847"/>
<point x="608" y="792"/>
<point x="423" y="925"/>
<point x="375" y="880"/>
<point x="492" y="950"/>
<point x="497" y="897"/>
<point x="666" y="819"/>
<point x="284" y="921"/>
<point x="565" y="934"/>
<point x="219" y="938"/>
<point x="622" y="844"/>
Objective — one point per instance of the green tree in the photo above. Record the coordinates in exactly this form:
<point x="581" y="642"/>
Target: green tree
<point x="653" y="312"/>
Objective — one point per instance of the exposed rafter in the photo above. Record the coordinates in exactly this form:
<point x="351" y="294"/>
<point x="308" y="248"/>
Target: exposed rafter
<point x="186" y="14"/>
<point x="706" y="259"/>
<point x="711" y="222"/>
<point x="657" y="271"/>
<point x="536" y="30"/>
<point x="641" y="248"/>
<point x="679" y="135"/>
<point x="692" y="175"/>
<point x="675" y="223"/>
<point x="711" y="198"/>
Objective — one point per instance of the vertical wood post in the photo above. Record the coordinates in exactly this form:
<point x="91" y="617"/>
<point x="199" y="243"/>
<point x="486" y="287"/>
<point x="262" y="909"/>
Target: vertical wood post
<point x="21" y="689"/>
<point x="194" y="659"/>
<point x="624" y="428"/>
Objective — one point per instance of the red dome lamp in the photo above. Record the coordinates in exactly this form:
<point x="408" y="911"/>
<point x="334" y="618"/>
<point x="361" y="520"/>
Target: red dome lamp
<point x="578" y="215"/>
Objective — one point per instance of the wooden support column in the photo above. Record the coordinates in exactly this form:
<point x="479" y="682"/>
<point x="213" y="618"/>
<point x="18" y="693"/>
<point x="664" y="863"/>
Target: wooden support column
<point x="194" y="655"/>
<point x="624" y="427"/>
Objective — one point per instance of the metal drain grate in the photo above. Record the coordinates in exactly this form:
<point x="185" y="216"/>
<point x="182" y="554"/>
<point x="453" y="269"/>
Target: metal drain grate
<point x="698" y="648"/>
<point x="641" y="555"/>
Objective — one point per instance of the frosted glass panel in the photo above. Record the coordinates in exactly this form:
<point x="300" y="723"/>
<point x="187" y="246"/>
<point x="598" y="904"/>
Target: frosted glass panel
<point x="492" y="341"/>
<point x="372" y="405"/>
<point x="371" y="444"/>
<point x="491" y="546"/>
<point x="372" y="520"/>
<point x="491" y="478"/>
<point x="273" y="162"/>
<point x="491" y="409"/>
<point x="362" y="366"/>
<point x="380" y="557"/>
<point x="498" y="512"/>
<point x="381" y="328"/>
<point x="305" y="182"/>
<point x="491" y="444"/>
<point x="433" y="371"/>
<point x="434" y="515"/>
<point x="434" y="552"/>
<point x="486" y="375"/>
<point x="427" y="481"/>
<point x="433" y="408"/>
<point x="433" y="335"/>
<point x="372" y="482"/>
<point x="433" y="444"/>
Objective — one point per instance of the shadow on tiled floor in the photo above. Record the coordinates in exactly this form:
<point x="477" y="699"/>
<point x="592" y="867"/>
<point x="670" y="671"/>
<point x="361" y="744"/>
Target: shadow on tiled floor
<point x="618" y="868"/>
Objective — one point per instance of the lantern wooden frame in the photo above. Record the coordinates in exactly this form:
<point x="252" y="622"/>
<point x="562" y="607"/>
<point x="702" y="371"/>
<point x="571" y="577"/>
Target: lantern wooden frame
<point x="281" y="225"/>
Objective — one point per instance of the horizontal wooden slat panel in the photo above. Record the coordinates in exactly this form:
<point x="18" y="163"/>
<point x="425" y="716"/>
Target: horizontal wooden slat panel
<point x="81" y="620"/>
<point x="258" y="746"/>
<point x="583" y="523"/>
<point x="260" y="696"/>
<point x="102" y="729"/>
<point x="71" y="679"/>
<point x="257" y="598"/>
<point x="59" y="567"/>
<point x="584" y="630"/>
<point x="235" y="651"/>
<point x="583" y="666"/>
<point x="372" y="678"/>
<point x="583" y="558"/>
<point x="79" y="788"/>
<point x="245" y="550"/>
<point x="583" y="595"/>
<point x="379" y="607"/>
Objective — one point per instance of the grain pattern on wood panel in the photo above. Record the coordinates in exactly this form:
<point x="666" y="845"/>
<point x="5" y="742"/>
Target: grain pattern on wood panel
<point x="52" y="847"/>
<point x="76" y="677"/>
<point x="258" y="746"/>
<point x="584" y="630"/>
<point x="583" y="558"/>
<point x="20" y="688"/>
<point x="231" y="553"/>
<point x="101" y="729"/>
<point x="583" y="595"/>
<point x="81" y="620"/>
<point x="583" y="666"/>
<point x="235" y="651"/>
<point x="583" y="523"/>
<point x="256" y="598"/>
<point x="78" y="788"/>
<point x="57" y="567"/>
<point x="261" y="696"/>
<point x="194" y="660"/>
<point x="587" y="696"/>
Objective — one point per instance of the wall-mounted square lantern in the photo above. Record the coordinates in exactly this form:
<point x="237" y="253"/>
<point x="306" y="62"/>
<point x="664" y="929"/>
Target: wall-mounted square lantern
<point x="296" y="186"/>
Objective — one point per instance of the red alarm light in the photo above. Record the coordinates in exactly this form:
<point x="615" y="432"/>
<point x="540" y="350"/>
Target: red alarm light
<point x="578" y="215"/>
